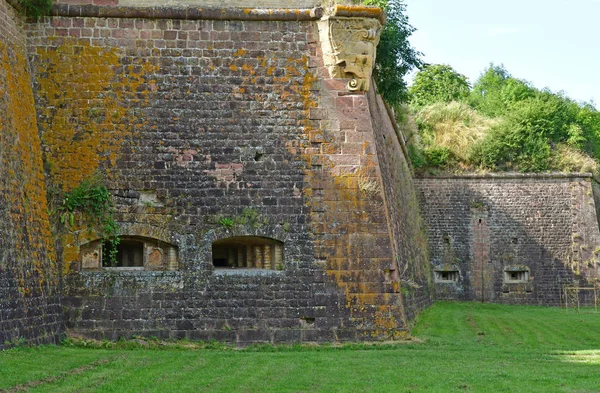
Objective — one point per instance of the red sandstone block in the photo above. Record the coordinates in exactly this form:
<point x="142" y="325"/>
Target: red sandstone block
<point x="351" y="113"/>
<point x="361" y="101"/>
<point x="61" y="22"/>
<point x="344" y="102"/>
<point x="347" y="124"/>
<point x="131" y="33"/>
<point x="334" y="84"/>
<point x="345" y="159"/>
<point x="353" y="148"/>
<point x="170" y="34"/>
<point x="126" y="23"/>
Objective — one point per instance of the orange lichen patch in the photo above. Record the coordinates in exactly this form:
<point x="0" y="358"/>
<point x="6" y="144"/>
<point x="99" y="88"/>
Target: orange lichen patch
<point x="84" y="121"/>
<point x="248" y="68"/>
<point x="233" y="67"/>
<point x="385" y="318"/>
<point x="240" y="52"/>
<point x="22" y="184"/>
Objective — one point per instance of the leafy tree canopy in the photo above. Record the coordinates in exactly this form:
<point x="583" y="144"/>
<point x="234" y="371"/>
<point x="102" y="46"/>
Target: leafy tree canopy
<point x="438" y="83"/>
<point x="496" y="89"/>
<point x="395" y="56"/>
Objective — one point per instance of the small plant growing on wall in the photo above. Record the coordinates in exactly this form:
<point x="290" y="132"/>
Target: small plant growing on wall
<point x="226" y="222"/>
<point x="91" y="201"/>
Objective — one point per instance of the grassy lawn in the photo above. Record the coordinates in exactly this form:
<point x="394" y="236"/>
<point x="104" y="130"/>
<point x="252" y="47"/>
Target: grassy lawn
<point x="461" y="347"/>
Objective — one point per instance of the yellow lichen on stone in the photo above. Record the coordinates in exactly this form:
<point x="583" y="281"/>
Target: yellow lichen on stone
<point x="85" y="122"/>
<point x="22" y="184"/>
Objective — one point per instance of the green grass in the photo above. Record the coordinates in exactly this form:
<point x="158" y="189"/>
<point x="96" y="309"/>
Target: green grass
<point x="461" y="347"/>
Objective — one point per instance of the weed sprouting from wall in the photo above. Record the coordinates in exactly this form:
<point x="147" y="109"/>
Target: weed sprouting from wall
<point x="91" y="202"/>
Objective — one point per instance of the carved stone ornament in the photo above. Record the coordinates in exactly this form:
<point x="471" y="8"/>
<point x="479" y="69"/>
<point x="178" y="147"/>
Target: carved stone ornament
<point x="349" y="46"/>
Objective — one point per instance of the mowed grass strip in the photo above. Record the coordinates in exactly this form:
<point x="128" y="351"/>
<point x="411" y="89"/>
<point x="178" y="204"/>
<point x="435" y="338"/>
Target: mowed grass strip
<point x="462" y="347"/>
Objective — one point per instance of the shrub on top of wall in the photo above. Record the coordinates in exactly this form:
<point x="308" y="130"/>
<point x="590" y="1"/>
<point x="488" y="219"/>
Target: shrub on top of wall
<point x="36" y="8"/>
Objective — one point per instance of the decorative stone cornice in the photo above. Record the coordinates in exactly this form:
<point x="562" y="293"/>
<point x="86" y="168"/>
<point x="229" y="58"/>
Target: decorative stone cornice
<point x="349" y="37"/>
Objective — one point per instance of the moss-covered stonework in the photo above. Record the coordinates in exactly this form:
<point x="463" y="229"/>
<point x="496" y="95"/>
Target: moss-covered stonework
<point x="29" y="310"/>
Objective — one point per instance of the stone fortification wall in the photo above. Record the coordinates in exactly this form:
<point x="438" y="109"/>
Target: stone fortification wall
<point x="29" y="309"/>
<point x="511" y="238"/>
<point x="212" y="132"/>
<point x="406" y="225"/>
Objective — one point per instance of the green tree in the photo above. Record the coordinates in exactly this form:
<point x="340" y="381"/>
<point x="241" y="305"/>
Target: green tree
<point x="531" y="129"/>
<point x="438" y="83"/>
<point x="395" y="56"/>
<point x="496" y="90"/>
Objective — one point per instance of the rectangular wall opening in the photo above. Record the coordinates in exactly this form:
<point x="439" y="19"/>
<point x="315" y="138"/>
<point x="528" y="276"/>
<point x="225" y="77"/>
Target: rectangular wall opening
<point x="446" y="275"/>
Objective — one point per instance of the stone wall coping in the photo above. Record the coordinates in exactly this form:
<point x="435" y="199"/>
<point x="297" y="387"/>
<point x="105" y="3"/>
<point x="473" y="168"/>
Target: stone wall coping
<point x="212" y="13"/>
<point x="509" y="175"/>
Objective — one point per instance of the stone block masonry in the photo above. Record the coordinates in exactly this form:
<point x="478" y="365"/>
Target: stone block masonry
<point x="262" y="189"/>
<point x="511" y="238"/>
<point x="29" y="306"/>
<point x="227" y="144"/>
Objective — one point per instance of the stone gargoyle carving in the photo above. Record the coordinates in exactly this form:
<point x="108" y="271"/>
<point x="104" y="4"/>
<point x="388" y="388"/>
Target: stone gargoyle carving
<point x="349" y="46"/>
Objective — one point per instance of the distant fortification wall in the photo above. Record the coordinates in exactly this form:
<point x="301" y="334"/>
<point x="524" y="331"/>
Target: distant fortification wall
<point x="511" y="238"/>
<point x="29" y="310"/>
<point x="242" y="158"/>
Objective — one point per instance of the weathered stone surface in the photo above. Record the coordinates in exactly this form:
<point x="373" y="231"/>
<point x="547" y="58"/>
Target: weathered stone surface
<point x="29" y="308"/>
<point x="234" y="128"/>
